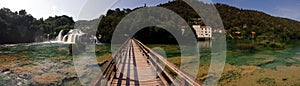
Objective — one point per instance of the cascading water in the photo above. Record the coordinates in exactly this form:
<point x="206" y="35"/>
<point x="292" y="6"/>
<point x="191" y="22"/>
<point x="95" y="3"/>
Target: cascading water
<point x="59" y="37"/>
<point x="70" y="37"/>
<point x="73" y="35"/>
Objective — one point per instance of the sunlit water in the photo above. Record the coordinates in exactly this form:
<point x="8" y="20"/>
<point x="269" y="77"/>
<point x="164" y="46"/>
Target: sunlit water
<point x="46" y="54"/>
<point x="54" y="56"/>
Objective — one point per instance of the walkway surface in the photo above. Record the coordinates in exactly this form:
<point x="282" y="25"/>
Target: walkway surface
<point x="134" y="69"/>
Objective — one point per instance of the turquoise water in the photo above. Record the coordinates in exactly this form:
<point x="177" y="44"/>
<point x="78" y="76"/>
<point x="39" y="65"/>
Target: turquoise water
<point x="260" y="55"/>
<point x="265" y="57"/>
<point x="38" y="50"/>
<point x="54" y="56"/>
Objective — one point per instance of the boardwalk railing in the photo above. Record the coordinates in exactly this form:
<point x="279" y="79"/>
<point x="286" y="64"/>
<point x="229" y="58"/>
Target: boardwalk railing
<point x="167" y="72"/>
<point x="108" y="71"/>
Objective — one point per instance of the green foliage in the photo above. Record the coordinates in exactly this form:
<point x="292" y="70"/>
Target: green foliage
<point x="76" y="49"/>
<point x="246" y="21"/>
<point x="155" y="35"/>
<point x="267" y="81"/>
<point x="231" y="75"/>
<point x="70" y="49"/>
<point x="109" y="22"/>
<point x="54" y="24"/>
<point x="20" y="27"/>
<point x="276" y="45"/>
<point x="272" y="45"/>
<point x="246" y="47"/>
<point x="234" y="19"/>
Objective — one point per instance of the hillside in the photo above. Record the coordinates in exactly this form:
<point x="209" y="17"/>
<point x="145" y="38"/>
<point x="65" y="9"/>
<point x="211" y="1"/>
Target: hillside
<point x="20" y="27"/>
<point x="234" y="19"/>
<point x="245" y="21"/>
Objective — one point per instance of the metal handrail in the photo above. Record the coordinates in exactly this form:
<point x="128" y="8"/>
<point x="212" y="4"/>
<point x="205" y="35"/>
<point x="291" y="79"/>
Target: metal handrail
<point x="110" y="67"/>
<point x="183" y="77"/>
<point x="169" y="70"/>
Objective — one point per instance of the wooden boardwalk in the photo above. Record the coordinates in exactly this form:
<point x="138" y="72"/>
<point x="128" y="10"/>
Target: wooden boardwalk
<point x="134" y="64"/>
<point x="134" y="69"/>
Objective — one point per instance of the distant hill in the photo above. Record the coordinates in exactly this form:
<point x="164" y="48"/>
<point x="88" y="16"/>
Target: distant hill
<point x="264" y="25"/>
<point x="20" y="27"/>
<point x="234" y="19"/>
<point x="245" y="21"/>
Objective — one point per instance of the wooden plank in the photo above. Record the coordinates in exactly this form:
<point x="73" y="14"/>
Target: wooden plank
<point x="190" y="79"/>
<point x="136" y="70"/>
<point x="107" y="67"/>
<point x="138" y="64"/>
<point x="164" y="81"/>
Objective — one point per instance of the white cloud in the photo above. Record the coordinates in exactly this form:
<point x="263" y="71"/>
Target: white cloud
<point x="94" y="8"/>
<point x="55" y="11"/>
<point x="45" y="8"/>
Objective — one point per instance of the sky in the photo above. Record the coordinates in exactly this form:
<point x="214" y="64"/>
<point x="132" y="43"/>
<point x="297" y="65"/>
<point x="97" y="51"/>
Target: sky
<point x="279" y="8"/>
<point x="91" y="9"/>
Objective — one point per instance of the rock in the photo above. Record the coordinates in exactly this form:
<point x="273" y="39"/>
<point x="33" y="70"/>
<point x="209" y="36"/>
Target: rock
<point x="19" y="83"/>
<point x="65" y="61"/>
<point x="6" y="72"/>
<point x="284" y="79"/>
<point x="47" y="79"/>
<point x="25" y="76"/>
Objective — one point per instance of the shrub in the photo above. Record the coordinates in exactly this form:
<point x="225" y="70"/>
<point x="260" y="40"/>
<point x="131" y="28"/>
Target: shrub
<point x="76" y="49"/>
<point x="246" y="47"/>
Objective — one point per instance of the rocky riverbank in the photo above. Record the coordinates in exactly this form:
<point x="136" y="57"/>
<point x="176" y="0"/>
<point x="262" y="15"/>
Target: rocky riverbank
<point x="21" y="71"/>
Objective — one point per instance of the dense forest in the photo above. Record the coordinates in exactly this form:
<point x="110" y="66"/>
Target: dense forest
<point x="266" y="27"/>
<point x="21" y="27"/>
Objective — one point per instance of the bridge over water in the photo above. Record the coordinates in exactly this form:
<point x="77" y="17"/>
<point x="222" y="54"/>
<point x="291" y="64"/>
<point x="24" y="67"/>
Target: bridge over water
<point x="136" y="64"/>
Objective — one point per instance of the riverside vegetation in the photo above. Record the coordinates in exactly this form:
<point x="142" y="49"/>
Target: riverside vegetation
<point x="257" y="66"/>
<point x="270" y="57"/>
<point x="42" y="64"/>
<point x="266" y="27"/>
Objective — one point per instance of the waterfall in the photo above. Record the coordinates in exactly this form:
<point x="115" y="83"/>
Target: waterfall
<point x="74" y="35"/>
<point x="70" y="37"/>
<point x="64" y="38"/>
<point x="59" y="37"/>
